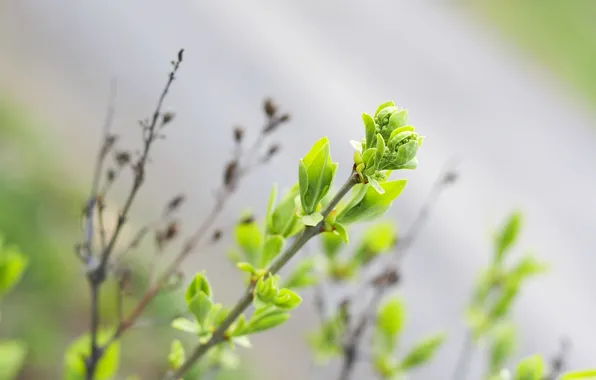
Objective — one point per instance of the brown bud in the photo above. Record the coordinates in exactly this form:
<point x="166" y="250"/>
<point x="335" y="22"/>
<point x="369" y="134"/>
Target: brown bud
<point x="171" y="231"/>
<point x="284" y="118"/>
<point x="167" y="117"/>
<point x="230" y="174"/>
<point x="216" y="235"/>
<point x="238" y="134"/>
<point x="180" y="55"/>
<point x="122" y="158"/>
<point x="450" y="177"/>
<point x="175" y="203"/>
<point x="270" y="107"/>
<point x="272" y="151"/>
<point x="388" y="277"/>
<point x="111" y="175"/>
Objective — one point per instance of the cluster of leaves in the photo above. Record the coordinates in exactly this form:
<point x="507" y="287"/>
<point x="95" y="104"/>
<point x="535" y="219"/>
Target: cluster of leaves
<point x="307" y="209"/>
<point x="389" y="325"/>
<point x="495" y="292"/>
<point x="12" y="266"/>
<point x="534" y="368"/>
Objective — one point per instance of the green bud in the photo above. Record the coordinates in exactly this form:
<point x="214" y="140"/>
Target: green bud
<point x="176" y="356"/>
<point x="315" y="175"/>
<point x="265" y="291"/>
<point x="287" y="299"/>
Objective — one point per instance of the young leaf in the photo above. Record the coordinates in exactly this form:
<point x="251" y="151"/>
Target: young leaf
<point x="312" y="219"/>
<point x="315" y="175"/>
<point x="586" y="374"/>
<point x="331" y="244"/>
<point x="302" y="276"/>
<point x="285" y="221"/>
<point x="273" y="246"/>
<point x="340" y="230"/>
<point x="508" y="235"/>
<point x="80" y="348"/>
<point x="422" y="352"/>
<point x="370" y="130"/>
<point x="287" y="299"/>
<point x="531" y="368"/>
<point x="379" y="238"/>
<point x="200" y="306"/>
<point x="266" y="321"/>
<point x="501" y="347"/>
<point x="372" y="204"/>
<point x="270" y="205"/>
<point x="12" y="354"/>
<point x="186" y="325"/>
<point x="249" y="238"/>
<point x="176" y="356"/>
<point x="12" y="266"/>
<point x="197" y="285"/>
<point x="389" y="324"/>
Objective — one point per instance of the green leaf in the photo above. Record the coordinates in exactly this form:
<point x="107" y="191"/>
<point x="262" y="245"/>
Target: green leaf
<point x="326" y="341"/>
<point x="249" y="238"/>
<point x="302" y="276"/>
<point x="246" y="267"/>
<point x="176" y="356"/>
<point x="266" y="321"/>
<point x="316" y="172"/>
<point x="200" y="306"/>
<point x="81" y="348"/>
<point x="502" y="346"/>
<point x="422" y="352"/>
<point x="197" y="285"/>
<point x="341" y="231"/>
<point x="380" y="148"/>
<point x="369" y="129"/>
<point x="389" y="324"/>
<point x="531" y="368"/>
<point x="508" y="235"/>
<point x="399" y="120"/>
<point x="378" y="239"/>
<point x="331" y="244"/>
<point x="287" y="299"/>
<point x="376" y="185"/>
<point x="386" y="104"/>
<point x="12" y="355"/>
<point x="357" y="145"/>
<point x="386" y="366"/>
<point x="505" y="300"/>
<point x="186" y="325"/>
<point x="265" y="292"/>
<point x="285" y="221"/>
<point x="586" y="374"/>
<point x="270" y="205"/>
<point x="273" y="246"/>
<point x="312" y="219"/>
<point x="12" y="266"/>
<point x="372" y="204"/>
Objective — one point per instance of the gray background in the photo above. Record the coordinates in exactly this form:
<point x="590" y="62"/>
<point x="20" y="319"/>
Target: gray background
<point x="523" y="139"/>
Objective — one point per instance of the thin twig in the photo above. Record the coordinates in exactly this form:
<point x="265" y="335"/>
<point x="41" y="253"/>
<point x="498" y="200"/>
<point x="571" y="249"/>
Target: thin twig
<point x="464" y="358"/>
<point x="106" y="144"/>
<point x="97" y="273"/>
<point x="246" y="300"/>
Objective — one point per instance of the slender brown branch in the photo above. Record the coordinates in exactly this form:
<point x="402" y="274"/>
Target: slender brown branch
<point x="246" y="300"/>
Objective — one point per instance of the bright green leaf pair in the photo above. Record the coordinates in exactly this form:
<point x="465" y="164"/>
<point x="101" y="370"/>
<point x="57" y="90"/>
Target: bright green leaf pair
<point x="282" y="219"/>
<point x="367" y="204"/>
<point x="315" y="176"/>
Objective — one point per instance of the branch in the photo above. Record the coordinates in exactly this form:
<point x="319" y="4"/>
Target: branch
<point x="246" y="300"/>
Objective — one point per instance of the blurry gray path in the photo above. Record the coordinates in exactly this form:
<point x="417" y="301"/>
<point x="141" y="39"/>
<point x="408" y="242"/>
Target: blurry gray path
<point x="523" y="140"/>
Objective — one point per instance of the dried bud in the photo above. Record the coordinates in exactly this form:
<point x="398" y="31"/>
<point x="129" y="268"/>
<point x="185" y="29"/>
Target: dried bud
<point x="238" y="134"/>
<point x="180" y="55"/>
<point x="100" y="201"/>
<point x="167" y="117"/>
<point x="171" y="231"/>
<point x="247" y="219"/>
<point x="216" y="235"/>
<point x="284" y="118"/>
<point x="387" y="278"/>
<point x="108" y="144"/>
<point x="175" y="203"/>
<point x="122" y="158"/>
<point x="270" y="108"/>
<point x="272" y="151"/>
<point x="450" y="177"/>
<point x="111" y="175"/>
<point x="230" y="174"/>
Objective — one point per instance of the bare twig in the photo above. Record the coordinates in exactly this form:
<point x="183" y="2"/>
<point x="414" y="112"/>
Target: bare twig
<point x="559" y="361"/>
<point x="97" y="270"/>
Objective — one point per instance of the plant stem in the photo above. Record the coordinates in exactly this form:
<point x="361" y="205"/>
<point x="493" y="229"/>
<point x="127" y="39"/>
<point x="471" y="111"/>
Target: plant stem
<point x="465" y="357"/>
<point x="246" y="300"/>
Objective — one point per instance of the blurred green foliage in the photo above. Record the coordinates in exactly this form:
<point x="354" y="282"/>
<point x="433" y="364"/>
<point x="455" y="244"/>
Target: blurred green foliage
<point x="560" y="33"/>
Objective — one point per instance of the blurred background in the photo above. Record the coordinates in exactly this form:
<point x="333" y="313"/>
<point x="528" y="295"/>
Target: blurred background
<point x="508" y="88"/>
